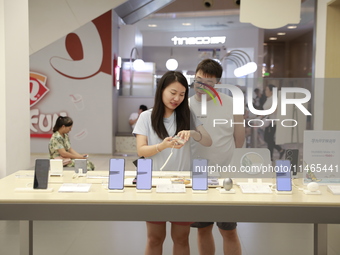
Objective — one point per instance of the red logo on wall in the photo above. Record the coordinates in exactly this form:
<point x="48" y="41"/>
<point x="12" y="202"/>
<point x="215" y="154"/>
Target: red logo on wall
<point x="38" y="87"/>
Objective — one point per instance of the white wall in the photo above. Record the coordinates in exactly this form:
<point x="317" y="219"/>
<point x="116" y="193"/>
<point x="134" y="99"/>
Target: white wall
<point x="14" y="89"/>
<point x="130" y="37"/>
<point x="50" y="20"/>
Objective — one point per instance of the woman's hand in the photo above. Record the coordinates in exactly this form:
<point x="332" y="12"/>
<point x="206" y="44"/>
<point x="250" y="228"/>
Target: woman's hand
<point x="169" y="142"/>
<point x="146" y="150"/>
<point x="184" y="135"/>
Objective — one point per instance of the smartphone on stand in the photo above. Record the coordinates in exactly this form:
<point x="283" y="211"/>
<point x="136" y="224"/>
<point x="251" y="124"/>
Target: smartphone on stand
<point x="41" y="173"/>
<point x="199" y="174"/>
<point x="56" y="167"/>
<point x="283" y="175"/>
<point x="80" y="164"/>
<point x="116" y="173"/>
<point x="144" y="174"/>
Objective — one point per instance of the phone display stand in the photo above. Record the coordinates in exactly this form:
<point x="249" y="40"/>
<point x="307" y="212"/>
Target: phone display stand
<point x="143" y="190"/>
<point x="223" y="191"/>
<point x="283" y="192"/>
<point x="31" y="190"/>
<point x="54" y="174"/>
<point x="308" y="192"/>
<point x="81" y="173"/>
<point x="199" y="191"/>
<point x="116" y="190"/>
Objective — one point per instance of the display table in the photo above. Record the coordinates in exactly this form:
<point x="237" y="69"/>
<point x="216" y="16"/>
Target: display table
<point x="101" y="205"/>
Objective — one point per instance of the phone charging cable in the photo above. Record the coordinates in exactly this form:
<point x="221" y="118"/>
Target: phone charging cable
<point x="167" y="160"/>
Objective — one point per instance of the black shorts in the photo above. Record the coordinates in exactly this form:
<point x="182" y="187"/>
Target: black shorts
<point x="221" y="225"/>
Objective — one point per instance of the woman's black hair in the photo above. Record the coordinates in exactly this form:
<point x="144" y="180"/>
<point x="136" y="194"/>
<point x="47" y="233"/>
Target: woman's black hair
<point x="271" y="86"/>
<point x="62" y="121"/>
<point x="182" y="112"/>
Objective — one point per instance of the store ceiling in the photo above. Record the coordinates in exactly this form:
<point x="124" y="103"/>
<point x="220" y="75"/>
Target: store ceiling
<point x="222" y="15"/>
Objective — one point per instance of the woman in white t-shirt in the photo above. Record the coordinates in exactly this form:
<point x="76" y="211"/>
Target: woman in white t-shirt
<point x="154" y="132"/>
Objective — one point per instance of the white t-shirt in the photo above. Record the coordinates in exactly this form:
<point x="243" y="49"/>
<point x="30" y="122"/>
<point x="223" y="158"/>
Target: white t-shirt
<point x="133" y="116"/>
<point x="181" y="158"/>
<point x="222" y="135"/>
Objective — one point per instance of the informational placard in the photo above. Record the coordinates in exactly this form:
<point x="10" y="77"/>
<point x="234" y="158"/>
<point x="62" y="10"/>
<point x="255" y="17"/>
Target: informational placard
<point x="321" y="157"/>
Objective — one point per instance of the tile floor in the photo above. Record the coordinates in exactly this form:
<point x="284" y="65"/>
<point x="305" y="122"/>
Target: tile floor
<point x="128" y="238"/>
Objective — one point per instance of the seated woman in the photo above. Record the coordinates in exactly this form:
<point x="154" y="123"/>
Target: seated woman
<point x="60" y="146"/>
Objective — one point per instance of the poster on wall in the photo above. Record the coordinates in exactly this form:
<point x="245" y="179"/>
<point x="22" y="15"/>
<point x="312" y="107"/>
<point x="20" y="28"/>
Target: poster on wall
<point x="73" y="77"/>
<point x="321" y="156"/>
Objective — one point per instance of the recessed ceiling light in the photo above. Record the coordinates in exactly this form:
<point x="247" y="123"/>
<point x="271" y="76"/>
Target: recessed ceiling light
<point x="291" y="27"/>
<point x="281" y="33"/>
<point x="186" y="24"/>
<point x="152" y="25"/>
<point x="272" y="38"/>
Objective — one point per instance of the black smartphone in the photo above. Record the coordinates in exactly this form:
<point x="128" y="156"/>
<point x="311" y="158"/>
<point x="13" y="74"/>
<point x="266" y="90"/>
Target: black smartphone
<point x="283" y="175"/>
<point x="199" y="174"/>
<point x="116" y="173"/>
<point x="144" y="174"/>
<point x="80" y="164"/>
<point x="135" y="163"/>
<point x="42" y="167"/>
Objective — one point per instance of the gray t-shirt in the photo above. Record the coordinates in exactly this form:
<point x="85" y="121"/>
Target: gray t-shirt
<point x="181" y="158"/>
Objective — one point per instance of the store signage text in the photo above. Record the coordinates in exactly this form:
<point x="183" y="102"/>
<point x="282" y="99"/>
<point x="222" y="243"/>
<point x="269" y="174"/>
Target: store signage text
<point x="41" y="124"/>
<point x="198" y="40"/>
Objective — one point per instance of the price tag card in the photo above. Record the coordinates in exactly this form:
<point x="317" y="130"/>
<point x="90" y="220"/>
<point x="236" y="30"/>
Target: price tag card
<point x="321" y="157"/>
<point x="170" y="188"/>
